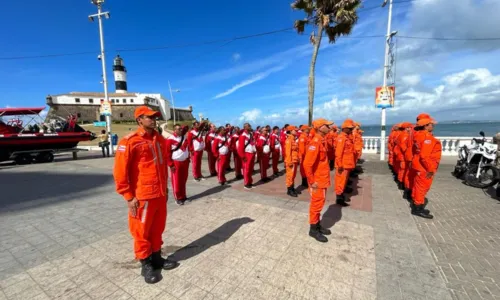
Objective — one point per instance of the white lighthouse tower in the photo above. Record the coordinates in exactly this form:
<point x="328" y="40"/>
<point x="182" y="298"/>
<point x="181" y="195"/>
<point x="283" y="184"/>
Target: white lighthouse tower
<point x="120" y="74"/>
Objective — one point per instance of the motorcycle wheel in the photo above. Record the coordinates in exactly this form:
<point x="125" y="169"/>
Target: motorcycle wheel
<point x="488" y="177"/>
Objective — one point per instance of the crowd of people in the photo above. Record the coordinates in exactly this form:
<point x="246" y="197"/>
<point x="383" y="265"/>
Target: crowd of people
<point x="145" y="158"/>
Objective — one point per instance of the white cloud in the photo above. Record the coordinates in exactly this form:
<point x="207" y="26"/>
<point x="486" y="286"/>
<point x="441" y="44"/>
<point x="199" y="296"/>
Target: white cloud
<point x="411" y="79"/>
<point x="253" y="79"/>
<point x="236" y="57"/>
<point x="250" y="115"/>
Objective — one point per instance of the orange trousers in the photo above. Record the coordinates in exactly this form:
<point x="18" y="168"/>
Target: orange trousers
<point x="318" y="197"/>
<point x="391" y="158"/>
<point x="341" y="180"/>
<point x="291" y="173"/>
<point x="406" y="176"/>
<point x="302" y="171"/>
<point x="421" y="186"/>
<point x="395" y="165"/>
<point x="401" y="171"/>
<point x="147" y="226"/>
<point x="411" y="178"/>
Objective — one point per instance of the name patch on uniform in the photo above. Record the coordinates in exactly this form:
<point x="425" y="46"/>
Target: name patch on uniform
<point x="121" y="148"/>
<point x="312" y="148"/>
<point x="427" y="141"/>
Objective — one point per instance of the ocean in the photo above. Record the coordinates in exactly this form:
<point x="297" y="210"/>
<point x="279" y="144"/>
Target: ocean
<point x="459" y="130"/>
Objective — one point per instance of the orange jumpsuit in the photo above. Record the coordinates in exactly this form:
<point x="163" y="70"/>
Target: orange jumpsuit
<point x="395" y="152"/>
<point x="418" y="138"/>
<point x="408" y="155"/>
<point x="140" y="172"/>
<point x="358" y="144"/>
<point x="303" y="143"/>
<point x="390" y="146"/>
<point x="401" y="145"/>
<point x="426" y="159"/>
<point x="344" y="158"/>
<point x="330" y="142"/>
<point x="317" y="170"/>
<point x="291" y="159"/>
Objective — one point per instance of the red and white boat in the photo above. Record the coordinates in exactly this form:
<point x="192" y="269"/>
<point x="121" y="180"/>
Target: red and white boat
<point x="27" y="141"/>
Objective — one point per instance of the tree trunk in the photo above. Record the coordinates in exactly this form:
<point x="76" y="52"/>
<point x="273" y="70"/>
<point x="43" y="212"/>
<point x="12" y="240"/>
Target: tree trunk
<point x="317" y="43"/>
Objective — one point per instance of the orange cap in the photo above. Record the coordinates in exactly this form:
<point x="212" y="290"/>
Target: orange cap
<point x="423" y="122"/>
<point x="290" y="128"/>
<point x="304" y="127"/>
<point x="423" y="116"/>
<point x="405" y="125"/>
<point x="145" y="111"/>
<point x="320" y="122"/>
<point x="348" y="124"/>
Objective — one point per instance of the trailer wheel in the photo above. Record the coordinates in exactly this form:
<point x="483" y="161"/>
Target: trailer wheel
<point x="23" y="159"/>
<point x="44" y="157"/>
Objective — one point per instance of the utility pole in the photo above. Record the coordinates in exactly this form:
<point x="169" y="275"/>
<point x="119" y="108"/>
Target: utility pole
<point x="102" y="58"/>
<point x="386" y="69"/>
<point x="172" y="97"/>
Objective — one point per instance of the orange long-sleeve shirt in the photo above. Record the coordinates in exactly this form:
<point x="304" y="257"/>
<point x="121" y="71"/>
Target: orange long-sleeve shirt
<point x="316" y="164"/>
<point x="291" y="150"/>
<point x="428" y="153"/>
<point x="344" y="152"/>
<point x="303" y="143"/>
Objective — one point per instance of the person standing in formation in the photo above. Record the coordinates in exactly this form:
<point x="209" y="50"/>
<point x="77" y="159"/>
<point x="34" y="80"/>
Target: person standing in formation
<point x="220" y="150"/>
<point x="330" y="140"/>
<point x="263" y="147"/>
<point x="196" y="146"/>
<point x="344" y="161"/>
<point x="317" y="169"/>
<point x="291" y="159"/>
<point x="234" y="149"/>
<point x="427" y="156"/>
<point x="303" y="143"/>
<point x="178" y="161"/>
<point x="246" y="150"/>
<point x="229" y="134"/>
<point x="140" y="175"/>
<point x="400" y="148"/>
<point x="283" y="140"/>
<point x="275" y="150"/>
<point x="208" y="147"/>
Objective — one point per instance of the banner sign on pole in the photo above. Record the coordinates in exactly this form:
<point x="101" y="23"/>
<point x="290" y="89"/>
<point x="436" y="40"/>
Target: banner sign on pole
<point x="105" y="108"/>
<point x="384" y="96"/>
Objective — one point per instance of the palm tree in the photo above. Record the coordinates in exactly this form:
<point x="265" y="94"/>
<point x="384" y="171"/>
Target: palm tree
<point x="335" y="18"/>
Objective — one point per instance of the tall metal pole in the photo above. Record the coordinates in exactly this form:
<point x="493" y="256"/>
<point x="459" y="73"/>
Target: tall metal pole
<point x="103" y="61"/>
<point x="172" y="97"/>
<point x="386" y="69"/>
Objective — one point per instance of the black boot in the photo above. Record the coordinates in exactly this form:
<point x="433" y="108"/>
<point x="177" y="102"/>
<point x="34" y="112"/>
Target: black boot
<point x="295" y="191"/>
<point x="304" y="183"/>
<point x="332" y="165"/>
<point x="323" y="230"/>
<point x="407" y="194"/>
<point x="291" y="192"/>
<point x="150" y="276"/>
<point x="418" y="210"/>
<point x="348" y="190"/>
<point x="341" y="200"/>
<point x="349" y="182"/>
<point x="162" y="263"/>
<point x="401" y="186"/>
<point x="316" y="234"/>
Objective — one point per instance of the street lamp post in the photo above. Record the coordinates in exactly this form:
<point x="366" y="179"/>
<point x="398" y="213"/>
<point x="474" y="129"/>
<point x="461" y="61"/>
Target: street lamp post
<point x="102" y="58"/>
<point x="172" y="97"/>
<point x="386" y="69"/>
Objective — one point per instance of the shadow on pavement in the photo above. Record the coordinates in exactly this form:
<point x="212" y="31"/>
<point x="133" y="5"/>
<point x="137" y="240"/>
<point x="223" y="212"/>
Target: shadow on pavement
<point x="493" y="192"/>
<point x="210" y="191"/>
<point x="331" y="216"/>
<point x="219" y="235"/>
<point x="26" y="190"/>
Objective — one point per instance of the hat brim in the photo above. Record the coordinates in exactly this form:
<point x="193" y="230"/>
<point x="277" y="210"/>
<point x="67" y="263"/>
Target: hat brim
<point x="152" y="114"/>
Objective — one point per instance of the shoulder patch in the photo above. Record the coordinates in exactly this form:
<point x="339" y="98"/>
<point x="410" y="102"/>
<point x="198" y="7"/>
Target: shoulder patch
<point x="312" y="148"/>
<point x="427" y="141"/>
<point x="121" y="148"/>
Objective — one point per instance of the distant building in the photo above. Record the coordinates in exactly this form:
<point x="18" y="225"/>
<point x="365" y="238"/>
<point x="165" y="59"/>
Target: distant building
<point x="86" y="105"/>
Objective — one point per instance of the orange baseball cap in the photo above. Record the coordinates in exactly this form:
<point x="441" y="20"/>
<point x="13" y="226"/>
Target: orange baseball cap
<point x="423" y="116"/>
<point x="348" y="124"/>
<point x="145" y="111"/>
<point x="405" y="125"/>
<point x="290" y="128"/>
<point x="423" y="122"/>
<point x="304" y="127"/>
<point x="320" y="122"/>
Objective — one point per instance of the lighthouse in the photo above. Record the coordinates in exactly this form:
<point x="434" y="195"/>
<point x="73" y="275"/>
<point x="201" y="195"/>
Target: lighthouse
<point x="120" y="74"/>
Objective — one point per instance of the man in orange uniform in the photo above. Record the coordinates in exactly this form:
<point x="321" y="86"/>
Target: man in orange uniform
<point x="395" y="151"/>
<point x="344" y="160"/>
<point x="390" y="147"/>
<point x="140" y="175"/>
<point x="400" y="147"/>
<point x="303" y="142"/>
<point x="291" y="159"/>
<point x="317" y="169"/>
<point x="427" y="157"/>
<point x="331" y="137"/>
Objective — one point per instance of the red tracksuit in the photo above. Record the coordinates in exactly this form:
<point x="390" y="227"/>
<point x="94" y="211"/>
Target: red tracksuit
<point x="196" y="146"/>
<point x="256" y="135"/>
<point x="275" y="151"/>
<point x="220" y="150"/>
<point x="282" y="142"/>
<point x="234" y="149"/>
<point x="178" y="156"/>
<point x="264" y="149"/>
<point x="208" y="147"/>
<point x="246" y="150"/>
<point x="228" y="162"/>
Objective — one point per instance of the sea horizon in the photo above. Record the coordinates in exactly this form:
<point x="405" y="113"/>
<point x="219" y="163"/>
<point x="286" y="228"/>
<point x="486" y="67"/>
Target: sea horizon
<point x="463" y="129"/>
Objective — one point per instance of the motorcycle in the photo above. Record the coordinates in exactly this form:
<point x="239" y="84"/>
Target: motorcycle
<point x="476" y="163"/>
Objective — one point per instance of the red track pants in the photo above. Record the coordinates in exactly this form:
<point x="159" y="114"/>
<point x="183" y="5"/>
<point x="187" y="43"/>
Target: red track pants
<point x="248" y="167"/>
<point x="179" y="179"/>
<point x="228" y="161"/>
<point x="318" y="197"/>
<point x="276" y="158"/>
<point x="237" y="164"/>
<point x="147" y="226"/>
<point x="264" y="165"/>
<point x="221" y="167"/>
<point x="211" y="163"/>
<point x="196" y="161"/>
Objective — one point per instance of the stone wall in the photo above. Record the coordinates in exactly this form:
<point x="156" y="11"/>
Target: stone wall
<point x="181" y="115"/>
<point x="89" y="114"/>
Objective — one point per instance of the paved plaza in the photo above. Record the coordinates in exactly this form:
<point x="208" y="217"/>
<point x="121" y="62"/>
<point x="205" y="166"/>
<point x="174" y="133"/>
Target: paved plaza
<point x="64" y="235"/>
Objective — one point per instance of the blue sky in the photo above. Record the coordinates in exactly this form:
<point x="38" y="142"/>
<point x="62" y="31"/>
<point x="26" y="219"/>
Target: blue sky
<point x="262" y="79"/>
